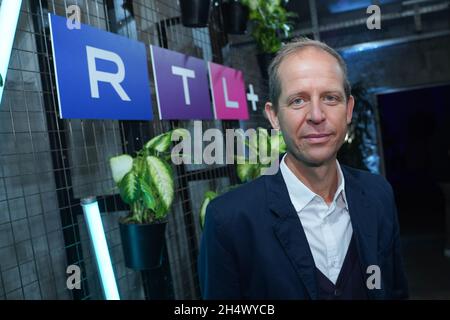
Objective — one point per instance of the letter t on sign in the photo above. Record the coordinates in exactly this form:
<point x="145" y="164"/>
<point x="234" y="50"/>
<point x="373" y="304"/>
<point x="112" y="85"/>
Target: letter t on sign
<point x="181" y="99"/>
<point x="252" y="97"/>
<point x="185" y="74"/>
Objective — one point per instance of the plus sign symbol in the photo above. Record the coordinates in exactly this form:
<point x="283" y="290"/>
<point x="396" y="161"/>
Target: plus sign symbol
<point x="252" y="97"/>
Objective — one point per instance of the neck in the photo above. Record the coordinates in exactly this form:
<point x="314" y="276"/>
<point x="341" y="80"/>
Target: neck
<point x="322" y="180"/>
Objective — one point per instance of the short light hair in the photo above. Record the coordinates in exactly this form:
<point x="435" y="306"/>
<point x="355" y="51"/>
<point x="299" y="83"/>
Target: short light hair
<point x="295" y="46"/>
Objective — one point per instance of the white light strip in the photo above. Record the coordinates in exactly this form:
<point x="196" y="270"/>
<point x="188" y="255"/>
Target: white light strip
<point x="97" y="234"/>
<point x="9" y="15"/>
<point x="390" y="42"/>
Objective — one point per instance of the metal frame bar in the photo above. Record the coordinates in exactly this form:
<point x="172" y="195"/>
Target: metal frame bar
<point x="357" y="22"/>
<point x="386" y="17"/>
<point x="68" y="205"/>
<point x="314" y="19"/>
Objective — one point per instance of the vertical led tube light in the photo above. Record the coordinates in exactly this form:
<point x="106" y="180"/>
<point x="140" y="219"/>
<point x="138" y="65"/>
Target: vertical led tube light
<point x="9" y="15"/>
<point x="97" y="235"/>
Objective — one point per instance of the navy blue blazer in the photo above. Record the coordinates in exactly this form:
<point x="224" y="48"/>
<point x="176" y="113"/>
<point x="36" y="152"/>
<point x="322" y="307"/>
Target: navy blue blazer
<point x="253" y="245"/>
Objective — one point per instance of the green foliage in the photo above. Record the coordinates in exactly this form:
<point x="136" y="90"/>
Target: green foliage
<point x="209" y="195"/>
<point x="248" y="170"/>
<point x="146" y="181"/>
<point x="270" y="22"/>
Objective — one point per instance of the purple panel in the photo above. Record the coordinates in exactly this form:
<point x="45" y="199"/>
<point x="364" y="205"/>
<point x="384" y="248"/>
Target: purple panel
<point x="181" y="85"/>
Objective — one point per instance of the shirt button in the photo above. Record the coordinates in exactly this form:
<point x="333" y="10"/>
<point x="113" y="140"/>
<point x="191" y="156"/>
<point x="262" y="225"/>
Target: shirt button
<point x="337" y="292"/>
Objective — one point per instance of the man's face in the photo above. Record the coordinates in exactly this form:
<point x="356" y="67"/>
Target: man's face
<point x="313" y="113"/>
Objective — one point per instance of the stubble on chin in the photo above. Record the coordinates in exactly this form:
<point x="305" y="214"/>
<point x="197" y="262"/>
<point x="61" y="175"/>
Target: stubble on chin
<point x="297" y="154"/>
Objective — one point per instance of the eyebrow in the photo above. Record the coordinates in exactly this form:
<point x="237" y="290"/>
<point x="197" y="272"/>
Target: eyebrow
<point x="337" y="92"/>
<point x="299" y="93"/>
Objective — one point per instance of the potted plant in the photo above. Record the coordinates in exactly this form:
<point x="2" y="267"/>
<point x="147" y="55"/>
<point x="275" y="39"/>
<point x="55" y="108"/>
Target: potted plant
<point x="146" y="184"/>
<point x="235" y="16"/>
<point x="195" y="13"/>
<point x="246" y="169"/>
<point x="270" y="22"/>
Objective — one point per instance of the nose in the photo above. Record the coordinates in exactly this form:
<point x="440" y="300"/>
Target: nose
<point x="316" y="114"/>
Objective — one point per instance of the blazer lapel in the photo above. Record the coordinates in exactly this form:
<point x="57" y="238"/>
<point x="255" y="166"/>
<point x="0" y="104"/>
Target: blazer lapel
<point x="363" y="217"/>
<point x="289" y="232"/>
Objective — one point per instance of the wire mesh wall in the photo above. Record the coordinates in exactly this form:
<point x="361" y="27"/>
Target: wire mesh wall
<point x="49" y="164"/>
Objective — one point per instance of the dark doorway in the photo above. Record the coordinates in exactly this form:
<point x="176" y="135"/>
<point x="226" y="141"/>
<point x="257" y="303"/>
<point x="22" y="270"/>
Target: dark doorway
<point x="415" y="127"/>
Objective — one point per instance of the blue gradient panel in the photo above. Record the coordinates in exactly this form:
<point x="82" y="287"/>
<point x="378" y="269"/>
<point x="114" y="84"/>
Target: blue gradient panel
<point x="338" y="6"/>
<point x="114" y="85"/>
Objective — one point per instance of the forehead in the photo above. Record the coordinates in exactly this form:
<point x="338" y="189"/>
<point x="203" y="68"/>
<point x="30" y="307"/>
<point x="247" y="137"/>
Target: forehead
<point x="311" y="67"/>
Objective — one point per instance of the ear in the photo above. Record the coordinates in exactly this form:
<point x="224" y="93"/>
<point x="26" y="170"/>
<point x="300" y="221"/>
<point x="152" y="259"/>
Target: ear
<point x="272" y="115"/>
<point x="350" y="105"/>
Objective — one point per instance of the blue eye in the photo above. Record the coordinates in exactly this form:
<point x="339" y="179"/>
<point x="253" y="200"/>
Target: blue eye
<point x="332" y="99"/>
<point x="297" y="102"/>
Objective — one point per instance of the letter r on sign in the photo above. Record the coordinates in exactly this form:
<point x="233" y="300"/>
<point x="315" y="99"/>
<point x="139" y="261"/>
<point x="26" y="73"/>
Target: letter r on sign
<point x="96" y="76"/>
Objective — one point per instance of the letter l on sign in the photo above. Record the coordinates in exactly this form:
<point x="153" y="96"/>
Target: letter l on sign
<point x="228" y="103"/>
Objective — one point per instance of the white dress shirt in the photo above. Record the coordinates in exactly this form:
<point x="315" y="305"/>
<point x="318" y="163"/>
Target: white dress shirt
<point x="328" y="228"/>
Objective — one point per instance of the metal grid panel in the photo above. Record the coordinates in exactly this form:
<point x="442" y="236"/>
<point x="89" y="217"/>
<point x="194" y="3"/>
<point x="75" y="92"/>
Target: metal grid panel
<point x="49" y="164"/>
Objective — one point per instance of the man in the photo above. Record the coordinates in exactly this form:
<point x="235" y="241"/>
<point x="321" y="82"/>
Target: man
<point x="316" y="229"/>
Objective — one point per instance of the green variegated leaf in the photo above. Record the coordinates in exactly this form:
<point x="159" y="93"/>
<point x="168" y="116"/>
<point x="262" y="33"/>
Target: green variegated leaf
<point x="160" y="210"/>
<point x="129" y="188"/>
<point x="241" y="159"/>
<point x="180" y="132"/>
<point x="253" y="143"/>
<point x="209" y="195"/>
<point x="262" y="169"/>
<point x="159" y="143"/>
<point x="263" y="141"/>
<point x="257" y="172"/>
<point x="161" y="175"/>
<point x="139" y="166"/>
<point x="247" y="172"/>
<point x="277" y="144"/>
<point x="263" y="146"/>
<point x="147" y="195"/>
<point x="120" y="166"/>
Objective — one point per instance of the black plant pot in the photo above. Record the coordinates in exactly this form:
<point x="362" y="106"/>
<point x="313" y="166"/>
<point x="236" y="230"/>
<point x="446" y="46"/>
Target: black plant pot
<point x="264" y="60"/>
<point x="143" y="244"/>
<point x="195" y="13"/>
<point x="235" y="16"/>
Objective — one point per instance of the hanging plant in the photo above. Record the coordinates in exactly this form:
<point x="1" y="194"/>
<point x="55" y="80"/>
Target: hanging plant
<point x="235" y="16"/>
<point x="270" y="22"/>
<point x="146" y="184"/>
<point x="195" y="13"/>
